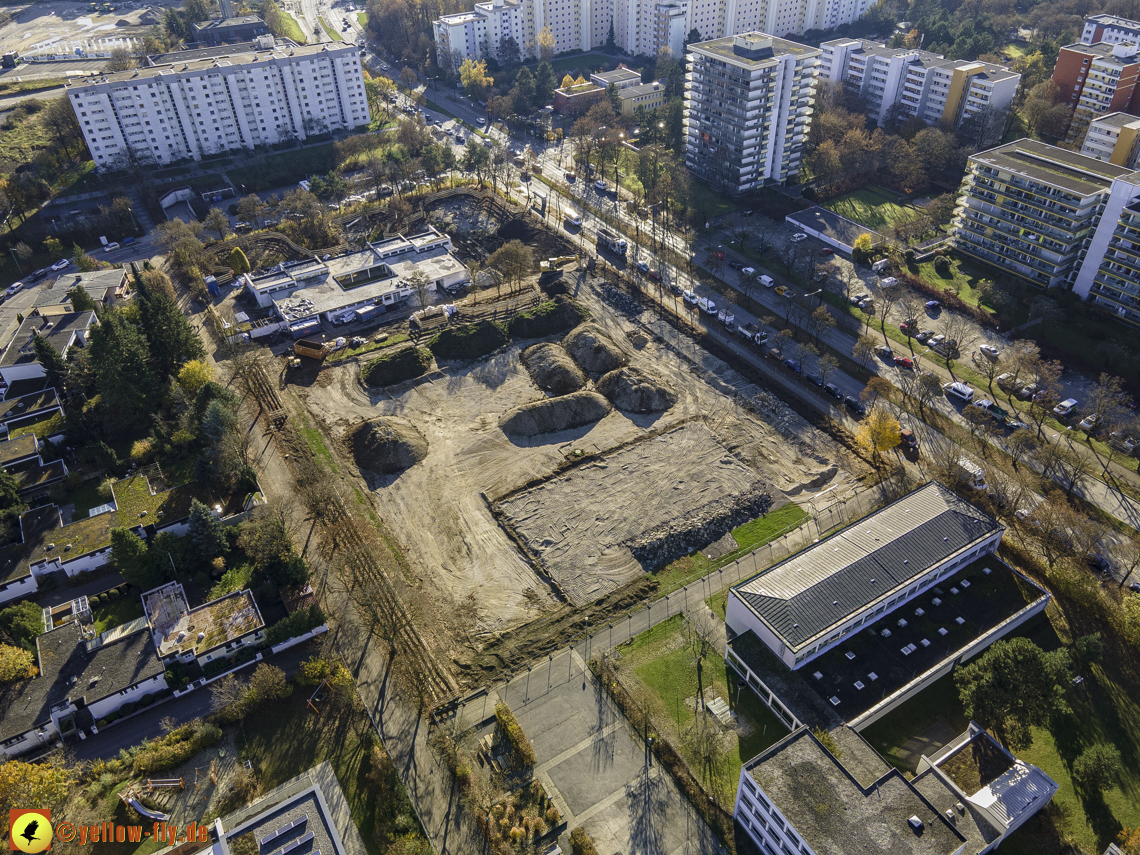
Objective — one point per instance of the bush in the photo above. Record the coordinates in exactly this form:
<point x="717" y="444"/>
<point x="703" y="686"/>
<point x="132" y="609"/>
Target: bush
<point x="909" y="256"/>
<point x="470" y="341"/>
<point x="298" y="623"/>
<point x="580" y="842"/>
<point x="942" y="264"/>
<point x="513" y="732"/>
<point x="111" y="717"/>
<point x="94" y="601"/>
<point x="559" y="315"/>
<point x="397" y="367"/>
<point x="142" y="451"/>
<point x="126" y="709"/>
<point x="1097" y="767"/>
<point x="176" y="747"/>
<point x="146" y="700"/>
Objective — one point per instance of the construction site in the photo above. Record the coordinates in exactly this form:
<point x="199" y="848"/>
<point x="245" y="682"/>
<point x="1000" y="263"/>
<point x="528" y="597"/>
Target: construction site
<point x="558" y="471"/>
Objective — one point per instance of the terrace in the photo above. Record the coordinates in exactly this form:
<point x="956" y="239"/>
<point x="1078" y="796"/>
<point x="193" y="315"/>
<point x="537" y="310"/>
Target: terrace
<point x="179" y="630"/>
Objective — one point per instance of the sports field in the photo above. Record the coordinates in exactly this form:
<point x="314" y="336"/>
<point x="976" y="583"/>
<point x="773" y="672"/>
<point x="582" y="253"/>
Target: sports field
<point x="868" y="208"/>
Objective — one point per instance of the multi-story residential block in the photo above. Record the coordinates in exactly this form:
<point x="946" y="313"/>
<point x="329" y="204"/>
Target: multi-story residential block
<point x="1109" y="274"/>
<point x="916" y="83"/>
<point x="1028" y="208"/>
<point x="640" y="26"/>
<point x="1097" y="79"/>
<point x="191" y="103"/>
<point x="748" y="105"/>
<point x="1114" y="138"/>
<point x="1111" y="29"/>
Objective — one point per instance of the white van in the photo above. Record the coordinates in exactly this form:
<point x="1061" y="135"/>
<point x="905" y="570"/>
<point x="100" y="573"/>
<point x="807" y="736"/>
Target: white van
<point x="766" y="281"/>
<point x="959" y="390"/>
<point x="971" y="473"/>
<point x="881" y="265"/>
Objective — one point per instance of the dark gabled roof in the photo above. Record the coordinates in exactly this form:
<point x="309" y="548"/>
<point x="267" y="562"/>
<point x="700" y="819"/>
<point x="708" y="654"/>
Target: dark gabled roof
<point x="823" y="585"/>
<point x="98" y="673"/>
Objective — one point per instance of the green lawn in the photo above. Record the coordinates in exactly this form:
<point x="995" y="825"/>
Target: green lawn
<point x="331" y="31"/>
<point x="362" y="19"/>
<point x="714" y="203"/>
<point x="666" y="665"/>
<point x="1104" y="710"/>
<point x="292" y="29"/>
<point x="748" y="537"/>
<point x="123" y="610"/>
<point x="964" y="275"/>
<point x="868" y="208"/>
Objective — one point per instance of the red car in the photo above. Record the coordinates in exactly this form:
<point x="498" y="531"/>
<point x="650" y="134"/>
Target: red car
<point x="904" y="362"/>
<point x="720" y="253"/>
<point x="826" y="251"/>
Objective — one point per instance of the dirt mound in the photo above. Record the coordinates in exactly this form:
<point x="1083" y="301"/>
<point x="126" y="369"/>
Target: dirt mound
<point x="552" y="369"/>
<point x="554" y="414"/>
<point x="594" y="350"/>
<point x="387" y="445"/>
<point x="635" y="391"/>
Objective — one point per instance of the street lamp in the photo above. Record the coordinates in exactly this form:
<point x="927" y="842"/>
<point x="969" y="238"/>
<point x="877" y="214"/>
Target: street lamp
<point x="12" y="250"/>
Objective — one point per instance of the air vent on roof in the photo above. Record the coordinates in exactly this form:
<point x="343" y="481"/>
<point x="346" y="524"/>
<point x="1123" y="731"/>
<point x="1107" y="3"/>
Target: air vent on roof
<point x="915" y="823"/>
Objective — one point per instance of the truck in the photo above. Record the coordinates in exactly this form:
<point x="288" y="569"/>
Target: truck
<point x="907" y="438"/>
<point x="558" y="263"/>
<point x="317" y="348"/>
<point x="971" y="473"/>
<point x="609" y="240"/>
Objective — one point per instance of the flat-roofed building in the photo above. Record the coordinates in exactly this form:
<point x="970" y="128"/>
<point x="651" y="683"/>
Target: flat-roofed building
<point x="648" y="96"/>
<point x="748" y="106"/>
<point x="214" y="630"/>
<point x="220" y="31"/>
<point x="1097" y="79"/>
<point x="903" y="83"/>
<point x="621" y="77"/>
<point x="1109" y="273"/>
<point x="1028" y="207"/>
<point x="1111" y="29"/>
<point x="191" y="103"/>
<point x="808" y="603"/>
<point x="1114" y="138"/>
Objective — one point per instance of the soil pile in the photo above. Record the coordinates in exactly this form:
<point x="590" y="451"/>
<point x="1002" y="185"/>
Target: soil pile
<point x="635" y="391"/>
<point x="594" y="350"/>
<point x="554" y="414"/>
<point x="387" y="445"/>
<point x="552" y="369"/>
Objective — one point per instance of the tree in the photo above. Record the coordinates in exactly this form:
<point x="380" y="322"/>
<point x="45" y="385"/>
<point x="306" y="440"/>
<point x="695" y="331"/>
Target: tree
<point x="543" y="83"/>
<point x="16" y="664"/>
<point x="268" y="683"/>
<point x="1013" y="687"/>
<point x="44" y="784"/>
<point x="546" y="45"/>
<point x="194" y="375"/>
<point x="611" y="37"/>
<point x="826" y="365"/>
<point x="864" y="350"/>
<point x="473" y="75"/>
<point x="1129" y="841"/>
<point x="229" y="694"/>
<point x="131" y="557"/>
<point x="80" y="300"/>
<point x="171" y="339"/>
<point x="514" y="260"/>
<point x="21" y="623"/>
<point x="1097" y="768"/>
<point x="121" y="60"/>
<point x="252" y="209"/>
<point x="878" y="432"/>
<point x="120" y="359"/>
<point x="239" y="264"/>
<point x="960" y="330"/>
<point x="409" y="77"/>
<point x="862" y="248"/>
<point x="217" y="222"/>
<point x="420" y="284"/>
<point x="54" y="365"/>
<point x="206" y="531"/>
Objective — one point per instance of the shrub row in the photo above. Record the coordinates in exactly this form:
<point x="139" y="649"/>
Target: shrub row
<point x="512" y="730"/>
<point x="177" y="747"/>
<point x="298" y="623"/>
<point x="580" y="842"/>
<point x="397" y="367"/>
<point x="949" y="298"/>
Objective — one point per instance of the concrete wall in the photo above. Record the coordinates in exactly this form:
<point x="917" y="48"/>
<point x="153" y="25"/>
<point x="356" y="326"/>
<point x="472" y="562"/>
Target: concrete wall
<point x="106" y="706"/>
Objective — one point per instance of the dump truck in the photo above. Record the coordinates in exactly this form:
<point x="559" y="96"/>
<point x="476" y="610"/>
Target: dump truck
<point x="552" y="264"/>
<point x="317" y="348"/>
<point x="610" y="241"/>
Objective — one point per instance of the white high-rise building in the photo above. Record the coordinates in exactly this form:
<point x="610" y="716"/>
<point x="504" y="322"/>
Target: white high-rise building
<point x="198" y="102"/>
<point x="640" y="26"/>
<point x="748" y="105"/>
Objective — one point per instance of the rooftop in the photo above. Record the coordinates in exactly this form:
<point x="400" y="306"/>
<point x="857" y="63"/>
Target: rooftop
<point x="643" y="89"/>
<point x="1116" y="120"/>
<point x="1114" y="21"/>
<point x="221" y="23"/>
<point x="179" y="629"/>
<point x="834" y="814"/>
<point x="923" y="57"/>
<point x="865" y="562"/>
<point x="63" y="655"/>
<point x="752" y="50"/>
<point x="834" y="225"/>
<point x="19" y="448"/>
<point x="100" y="286"/>
<point x="60" y="331"/>
<point x="621" y="74"/>
<point x="208" y="59"/>
<point x="15" y="408"/>
<point x="1111" y="53"/>
<point x="1052" y="166"/>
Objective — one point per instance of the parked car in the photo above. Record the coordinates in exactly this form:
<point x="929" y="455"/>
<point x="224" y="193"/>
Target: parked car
<point x="922" y="336"/>
<point x="904" y="362"/>
<point x="1028" y="391"/>
<point x="111" y="247"/>
<point x="674" y="288"/>
<point x="1089" y="422"/>
<point x="747" y="271"/>
<point x="654" y="274"/>
<point x="833" y="390"/>
<point x="689" y="298"/>
<point x="600" y="186"/>
<point x="884" y="352"/>
<point x="799" y="236"/>
<point x="959" y="390"/>
<point x="855" y="406"/>
<point x="14" y="288"/>
<point x="931" y="305"/>
<point x="858" y="298"/>
<point x="989" y="351"/>
<point x="936" y="340"/>
<point x="782" y="290"/>
<point x="1121" y="441"/>
<point x="889" y="282"/>
<point x="910" y="326"/>
<point x="643" y="267"/>
<point x="1004" y="381"/>
<point x="36" y="275"/>
<point x="1065" y="407"/>
<point x="814" y="379"/>
<point x="793" y="365"/>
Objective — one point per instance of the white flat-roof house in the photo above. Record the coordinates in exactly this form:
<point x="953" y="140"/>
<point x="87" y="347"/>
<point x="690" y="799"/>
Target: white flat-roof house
<point x="808" y="603"/>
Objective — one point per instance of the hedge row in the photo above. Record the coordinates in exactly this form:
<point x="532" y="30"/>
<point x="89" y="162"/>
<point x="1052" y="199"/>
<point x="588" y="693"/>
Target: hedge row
<point x="397" y="367"/>
<point x="176" y="748"/>
<point x="949" y="298"/>
<point x="580" y="842"/>
<point x="512" y="730"/>
<point x="298" y="623"/>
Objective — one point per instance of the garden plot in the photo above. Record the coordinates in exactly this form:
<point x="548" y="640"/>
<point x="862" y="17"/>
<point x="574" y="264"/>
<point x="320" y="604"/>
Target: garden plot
<point x="580" y="525"/>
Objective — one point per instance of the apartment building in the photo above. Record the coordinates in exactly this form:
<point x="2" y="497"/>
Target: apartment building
<point x="916" y="83"/>
<point x="197" y="102"/>
<point x="1109" y="273"/>
<point x="748" y="105"/>
<point x="1111" y="29"/>
<point x="1028" y="208"/>
<point x="1114" y="138"/>
<point x="1097" y="79"/>
<point x="640" y="26"/>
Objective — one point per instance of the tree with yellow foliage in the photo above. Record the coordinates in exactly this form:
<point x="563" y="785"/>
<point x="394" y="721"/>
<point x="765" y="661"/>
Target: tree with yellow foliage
<point x="1129" y="841"/>
<point x="475" y="79"/>
<point x="878" y="432"/>
<point x="194" y="375"/>
<point x="15" y="664"/>
<point x="567" y="81"/>
<point x="41" y="785"/>
<point x="545" y="45"/>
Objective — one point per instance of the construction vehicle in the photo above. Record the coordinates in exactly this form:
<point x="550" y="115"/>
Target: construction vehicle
<point x="317" y="348"/>
<point x="558" y="263"/>
<point x="609" y="240"/>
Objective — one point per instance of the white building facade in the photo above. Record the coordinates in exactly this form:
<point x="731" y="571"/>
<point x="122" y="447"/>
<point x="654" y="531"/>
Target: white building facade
<point x="748" y="105"/>
<point x="193" y="103"/>
<point x="1111" y="29"/>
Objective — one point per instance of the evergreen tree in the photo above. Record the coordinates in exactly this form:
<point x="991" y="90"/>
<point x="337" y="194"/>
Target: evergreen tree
<point x="218" y="420"/>
<point x="206" y="533"/>
<point x="173" y="341"/>
<point x="81" y="301"/>
<point x="614" y="98"/>
<point x="238" y="262"/>
<point x="543" y="84"/>
<point x="132" y="559"/>
<point x="11" y="505"/>
<point x="120" y="359"/>
<point x="52" y="361"/>
<point x="611" y="37"/>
